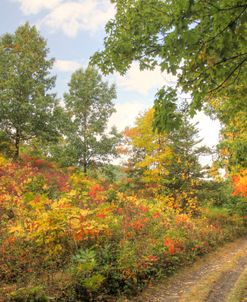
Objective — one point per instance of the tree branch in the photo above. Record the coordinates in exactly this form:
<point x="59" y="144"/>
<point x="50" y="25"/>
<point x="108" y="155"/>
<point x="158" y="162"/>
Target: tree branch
<point x="225" y="28"/>
<point x="229" y="76"/>
<point x="231" y="58"/>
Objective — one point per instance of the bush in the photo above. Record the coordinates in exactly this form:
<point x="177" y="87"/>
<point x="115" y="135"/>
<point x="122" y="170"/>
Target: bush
<point x="34" y="294"/>
<point x="88" y="239"/>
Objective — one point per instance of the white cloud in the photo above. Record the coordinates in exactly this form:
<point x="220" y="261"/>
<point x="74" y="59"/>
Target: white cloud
<point x="70" y="17"/>
<point x="209" y="129"/>
<point x="126" y="114"/>
<point x="66" y="65"/>
<point x="30" y="7"/>
<point x="75" y="16"/>
<point x="144" y="81"/>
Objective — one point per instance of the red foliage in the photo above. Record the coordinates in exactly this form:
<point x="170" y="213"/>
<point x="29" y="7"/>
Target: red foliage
<point x="119" y="211"/>
<point x="101" y="215"/>
<point x="173" y="246"/>
<point x="170" y="245"/>
<point x="95" y="190"/>
<point x="18" y="178"/>
<point x="156" y="215"/>
<point x="40" y="163"/>
<point x="144" y="209"/>
<point x="240" y="184"/>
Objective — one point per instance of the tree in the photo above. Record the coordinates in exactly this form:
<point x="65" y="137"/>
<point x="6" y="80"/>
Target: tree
<point x="89" y="105"/>
<point x="170" y="161"/>
<point x="232" y="113"/>
<point x="27" y="109"/>
<point x="150" y="154"/>
<point x="185" y="171"/>
<point x="232" y="148"/>
<point x="202" y="42"/>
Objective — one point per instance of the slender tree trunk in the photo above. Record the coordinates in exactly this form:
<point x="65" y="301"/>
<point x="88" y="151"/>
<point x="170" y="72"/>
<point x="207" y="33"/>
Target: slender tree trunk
<point x="85" y="144"/>
<point x="17" y="145"/>
<point x="84" y="166"/>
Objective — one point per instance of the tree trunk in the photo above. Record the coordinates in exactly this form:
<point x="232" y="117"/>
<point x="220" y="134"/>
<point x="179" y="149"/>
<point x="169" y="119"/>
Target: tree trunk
<point x="85" y="167"/>
<point x="17" y="145"/>
<point x="85" y="143"/>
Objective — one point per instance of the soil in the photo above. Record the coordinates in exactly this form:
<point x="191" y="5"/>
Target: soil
<point x="210" y="279"/>
<point x="224" y="285"/>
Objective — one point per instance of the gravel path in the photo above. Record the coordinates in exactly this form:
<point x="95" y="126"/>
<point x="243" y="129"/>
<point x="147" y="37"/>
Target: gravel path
<point x="224" y="284"/>
<point x="210" y="279"/>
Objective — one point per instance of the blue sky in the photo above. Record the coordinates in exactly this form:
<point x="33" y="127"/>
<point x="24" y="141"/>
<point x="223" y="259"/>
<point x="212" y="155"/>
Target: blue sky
<point x="74" y="30"/>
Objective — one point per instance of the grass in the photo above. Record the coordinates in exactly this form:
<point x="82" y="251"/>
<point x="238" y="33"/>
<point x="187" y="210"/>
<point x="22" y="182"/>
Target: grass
<point x="240" y="289"/>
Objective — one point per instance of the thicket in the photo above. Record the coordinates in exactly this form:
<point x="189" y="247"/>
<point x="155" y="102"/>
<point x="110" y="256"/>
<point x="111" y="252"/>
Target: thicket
<point x="68" y="237"/>
<point x="75" y="227"/>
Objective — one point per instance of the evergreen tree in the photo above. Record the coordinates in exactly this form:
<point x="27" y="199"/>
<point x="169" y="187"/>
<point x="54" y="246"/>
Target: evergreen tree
<point x="185" y="170"/>
<point x="169" y="161"/>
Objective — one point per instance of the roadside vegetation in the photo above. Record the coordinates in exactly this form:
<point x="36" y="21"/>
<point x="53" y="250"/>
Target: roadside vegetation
<point x="76" y="226"/>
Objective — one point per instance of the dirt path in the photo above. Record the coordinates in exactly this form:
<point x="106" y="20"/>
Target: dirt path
<point x="218" y="277"/>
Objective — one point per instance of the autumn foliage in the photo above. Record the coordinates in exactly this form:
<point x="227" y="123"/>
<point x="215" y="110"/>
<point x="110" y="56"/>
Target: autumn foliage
<point x="82" y="237"/>
<point x="61" y="227"/>
<point x="240" y="184"/>
<point x="75" y="226"/>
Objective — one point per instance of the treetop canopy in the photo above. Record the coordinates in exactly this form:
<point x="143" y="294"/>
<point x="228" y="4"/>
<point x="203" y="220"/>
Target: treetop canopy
<point x="202" y="42"/>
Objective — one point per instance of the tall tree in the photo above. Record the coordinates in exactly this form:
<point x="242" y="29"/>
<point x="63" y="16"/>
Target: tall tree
<point x="185" y="171"/>
<point x="150" y="154"/>
<point x="232" y="148"/>
<point x="203" y="42"/>
<point x="168" y="160"/>
<point x="232" y="113"/>
<point x="27" y="109"/>
<point x="89" y="105"/>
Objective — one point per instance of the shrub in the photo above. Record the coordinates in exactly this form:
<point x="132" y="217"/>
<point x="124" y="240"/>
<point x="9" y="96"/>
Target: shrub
<point x="85" y="240"/>
<point x="34" y="294"/>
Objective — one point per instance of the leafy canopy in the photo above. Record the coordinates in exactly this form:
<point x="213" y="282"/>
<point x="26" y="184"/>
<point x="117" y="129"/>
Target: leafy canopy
<point x="202" y="42"/>
<point x="89" y="106"/>
<point x="27" y="109"/>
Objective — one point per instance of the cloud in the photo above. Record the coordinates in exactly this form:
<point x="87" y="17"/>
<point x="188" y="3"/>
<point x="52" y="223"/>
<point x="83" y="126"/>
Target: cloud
<point x="66" y="65"/>
<point x="30" y="7"/>
<point x="144" y="81"/>
<point x="75" y="16"/>
<point x="209" y="129"/>
<point x="126" y="114"/>
<point x="70" y="17"/>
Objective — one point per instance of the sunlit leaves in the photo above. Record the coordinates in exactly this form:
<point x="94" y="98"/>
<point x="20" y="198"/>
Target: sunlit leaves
<point x="88" y="239"/>
<point x="168" y="161"/>
<point x="240" y="184"/>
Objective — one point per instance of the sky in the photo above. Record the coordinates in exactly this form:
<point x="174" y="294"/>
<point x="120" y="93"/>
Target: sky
<point x="74" y="30"/>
